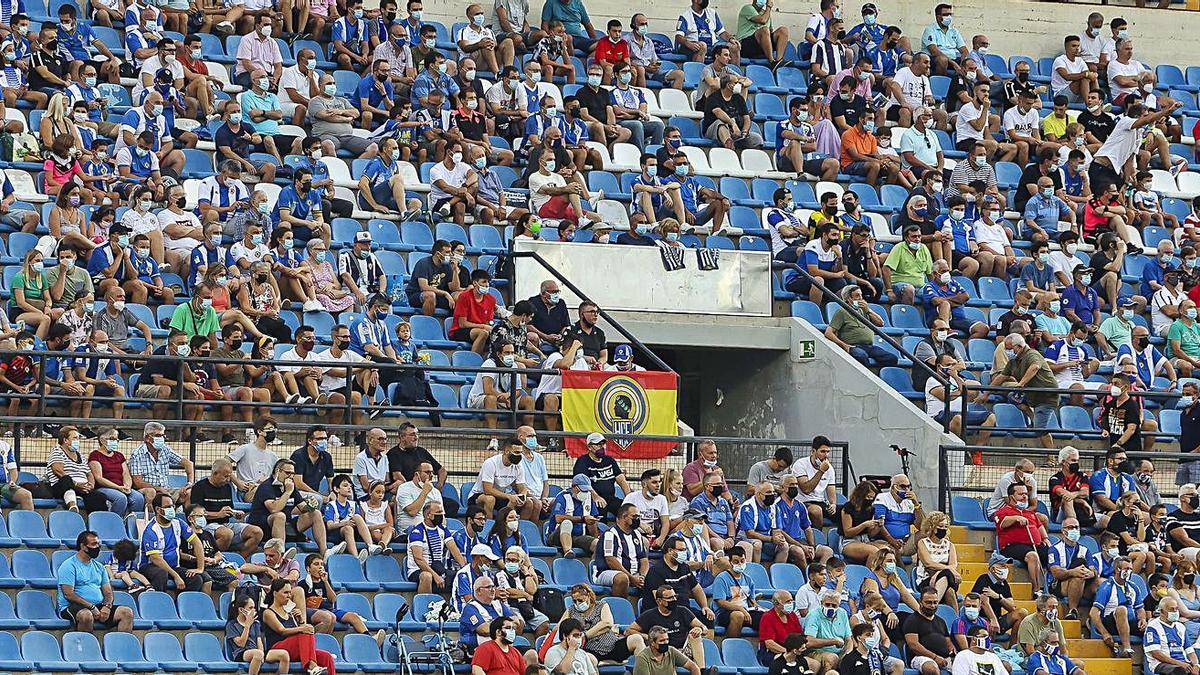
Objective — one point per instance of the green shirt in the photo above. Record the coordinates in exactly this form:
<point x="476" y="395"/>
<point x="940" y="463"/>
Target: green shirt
<point x="746" y="27"/>
<point x="238" y="377"/>
<point x="78" y="283"/>
<point x="1033" y="625"/>
<point x="203" y="323"/>
<point x="909" y="267"/>
<point x="1189" y="338"/>
<point x="34" y="289"/>
<point x="1044" y="379"/>
<point x="645" y="663"/>
<point x="1117" y="332"/>
<point x="850" y="330"/>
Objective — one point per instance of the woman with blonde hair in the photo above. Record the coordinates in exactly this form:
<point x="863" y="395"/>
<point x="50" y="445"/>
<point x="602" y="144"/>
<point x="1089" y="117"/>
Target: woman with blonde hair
<point x="217" y="277"/>
<point x="937" y="559"/>
<point x="600" y="636"/>
<point x="1183" y="589"/>
<point x="883" y="577"/>
<point x="668" y="232"/>
<point x="673" y="491"/>
<point x="56" y="121"/>
<point x="30" y="301"/>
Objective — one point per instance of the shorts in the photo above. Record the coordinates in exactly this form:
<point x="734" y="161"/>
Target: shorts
<point x="1072" y="97"/>
<point x="382" y="192"/>
<point x="966" y="144"/>
<point x="809" y="166"/>
<point x="1018" y="552"/>
<point x="975" y="417"/>
<point x="893" y="113"/>
<point x="338" y="614"/>
<point x="414" y="300"/>
<point x="825" y="509"/>
<point x="537" y="621"/>
<point x="956" y="258"/>
<point x="15" y="217"/>
<point x="919" y="661"/>
<point x="856" y="169"/>
<point x="74" y="608"/>
<point x="559" y="209"/>
<point x="146" y="391"/>
<point x="961" y="323"/>
<point x="540" y="402"/>
<point x="751" y="49"/>
<point x="7" y="490"/>
<point x="723" y="619"/>
<point x="461" y="335"/>
<point x="1110" y="620"/>
<point x="604" y="578"/>
<point x="357" y="145"/>
<point x="237" y="527"/>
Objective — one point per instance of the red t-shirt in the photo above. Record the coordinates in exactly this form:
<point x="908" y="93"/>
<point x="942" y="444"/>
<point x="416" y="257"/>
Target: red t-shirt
<point x="471" y="307"/>
<point x="1030" y="533"/>
<point x="771" y="627"/>
<point x="608" y="52"/>
<point x="495" y="661"/>
<point x="111" y="467"/>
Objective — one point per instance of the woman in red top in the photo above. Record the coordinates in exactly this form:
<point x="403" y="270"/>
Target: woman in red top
<point x="112" y="477"/>
<point x="474" y="310"/>
<point x="498" y="656"/>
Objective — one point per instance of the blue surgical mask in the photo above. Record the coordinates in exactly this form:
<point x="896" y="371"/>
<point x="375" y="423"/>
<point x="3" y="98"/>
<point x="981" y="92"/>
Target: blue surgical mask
<point x="1055" y="305"/>
<point x="206" y="303"/>
<point x="1190" y="313"/>
<point x="256" y="239"/>
<point x="551" y="165"/>
<point x="531" y="443"/>
<point x="594" y="80"/>
<point x="921" y="212"/>
<point x="1071" y="535"/>
<point x="358" y="13"/>
<point x="112" y="444"/>
<point x="1127" y="314"/>
<point x="681" y="170"/>
<point x="160" y="442"/>
<point x="89" y="81"/>
<point x="1048" y="192"/>
<point x="971" y="613"/>
<point x="320" y="256"/>
<point x="156" y="110"/>
<point x="889" y="567"/>
<point x="480" y="162"/>
<point x="512" y="567"/>
<point x="322" y="445"/>
<point x="235" y="118"/>
<point x="75" y="444"/>
<point x="1186" y="401"/>
<point x="169" y="513"/>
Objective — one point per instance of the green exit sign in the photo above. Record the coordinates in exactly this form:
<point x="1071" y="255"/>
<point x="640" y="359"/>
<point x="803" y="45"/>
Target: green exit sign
<point x="807" y="349"/>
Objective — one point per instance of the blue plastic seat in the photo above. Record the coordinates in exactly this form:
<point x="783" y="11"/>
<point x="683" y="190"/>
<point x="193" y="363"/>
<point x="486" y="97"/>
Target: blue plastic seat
<point x="205" y="649"/>
<point x="42" y="649"/>
<point x="11" y="655"/>
<point x="569" y="572"/>
<point x="8" y="615"/>
<point x="417" y="234"/>
<point x="363" y="652"/>
<point x="1008" y="415"/>
<point x="810" y="312"/>
<point x="125" y="650"/>
<point x="967" y="511"/>
<point x="909" y="319"/>
<point x="38" y="610"/>
<point x="163" y="649"/>
<point x="622" y="610"/>
<point x="719" y="241"/>
<point x="384" y="572"/>
<point x="346" y="573"/>
<point x="83" y="648"/>
<point x="160" y="608"/>
<point x="487" y="239"/>
<point x="31" y="565"/>
<point x="1076" y="419"/>
<point x="198" y="608"/>
<point x="738" y="653"/>
<point x="786" y="575"/>
<point x="899" y="379"/>
<point x="66" y="526"/>
<point x="29" y="527"/>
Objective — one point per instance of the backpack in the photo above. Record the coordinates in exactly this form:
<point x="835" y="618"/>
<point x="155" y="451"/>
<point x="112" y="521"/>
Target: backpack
<point x="550" y="601"/>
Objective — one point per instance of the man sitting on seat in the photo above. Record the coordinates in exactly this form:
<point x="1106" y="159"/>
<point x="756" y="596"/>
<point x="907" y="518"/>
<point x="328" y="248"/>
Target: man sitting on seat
<point x="1118" y="608"/>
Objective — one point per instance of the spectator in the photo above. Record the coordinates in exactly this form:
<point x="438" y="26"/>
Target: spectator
<point x="596" y="618"/>
<point x="110" y="474"/>
<point x="278" y="503"/>
<point x="906" y="267"/>
<point x="937" y="557"/>
<point x="222" y="520"/>
<point x="1045" y="618"/>
<point x="430" y="548"/>
<point x="1183" y="524"/>
<point x="243" y="636"/>
<point x="1020" y="531"/>
<point x="978" y="657"/>
<point x="684" y="628"/>
<point x="828" y="630"/>
<point x="68" y="476"/>
<point x="501" y="481"/>
<point x="927" y="637"/>
<point x="884" y="580"/>
<point x="1118" y="609"/>
<point x="604" y="471"/>
<point x="216" y="568"/>
<point x="575" y="516"/>
<point x="285" y="627"/>
<point x="85" y="596"/>
<point x="162" y="544"/>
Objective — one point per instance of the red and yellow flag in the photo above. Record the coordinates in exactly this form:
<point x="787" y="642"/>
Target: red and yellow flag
<point x="615" y="402"/>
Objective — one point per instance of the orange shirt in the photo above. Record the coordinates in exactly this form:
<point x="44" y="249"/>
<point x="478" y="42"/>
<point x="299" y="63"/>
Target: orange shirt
<point x="861" y="141"/>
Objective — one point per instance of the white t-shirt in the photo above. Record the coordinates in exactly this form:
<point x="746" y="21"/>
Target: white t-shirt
<point x="968" y="113"/>
<point x="502" y="477"/>
<point x="406" y="494"/>
<point x="1090" y="48"/>
<point x="804" y="470"/>
<point x="140" y="223"/>
<point x="251" y="253"/>
<point x="1062" y="263"/>
<point x="993" y="235"/>
<point x="187" y="219"/>
<point x="455" y="178"/>
<point x="292" y="78"/>
<point x="581" y="664"/>
<point x="934" y="405"/>
<point x="291" y="355"/>
<point x="149" y="67"/>
<point x="968" y="662"/>
<point x="536" y="182"/>
<point x="1024" y="124"/>
<point x="500" y="381"/>
<point x="552" y="384"/>
<point x="1163" y="297"/>
<point x="1057" y="82"/>
<point x="1121" y="143"/>
<point x="914" y="88"/>
<point x="1116" y="69"/>
<point x="1064" y="153"/>
<point x="335" y="378"/>
<point x="807" y="597"/>
<point x="470" y="35"/>
<point x="651" y="509"/>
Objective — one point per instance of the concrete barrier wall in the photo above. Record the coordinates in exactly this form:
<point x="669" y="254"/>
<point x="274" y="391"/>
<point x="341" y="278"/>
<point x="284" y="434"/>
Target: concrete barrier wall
<point x="1014" y="26"/>
<point x="765" y="394"/>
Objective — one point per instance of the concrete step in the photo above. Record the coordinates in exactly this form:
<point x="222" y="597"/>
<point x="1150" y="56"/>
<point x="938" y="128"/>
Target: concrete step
<point x="1088" y="649"/>
<point x="1105" y="666"/>
<point x="975" y="553"/>
<point x="1072" y="628"/>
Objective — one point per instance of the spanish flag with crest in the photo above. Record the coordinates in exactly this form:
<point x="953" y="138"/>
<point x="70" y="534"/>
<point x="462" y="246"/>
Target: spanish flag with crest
<point x="614" y="402"/>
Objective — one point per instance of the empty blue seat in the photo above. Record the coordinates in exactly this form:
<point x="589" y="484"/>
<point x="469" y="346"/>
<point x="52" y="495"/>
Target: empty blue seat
<point x="622" y="610"/>
<point x="384" y="572"/>
<point x="12" y="655"/>
<point x="810" y="312"/>
<point x="32" y="566"/>
<point x="363" y="651"/>
<point x="8" y="615"/>
<point x="66" y="526"/>
<point x="108" y="526"/>
<point x="786" y="575"/>
<point x="346" y="573"/>
<point x="1009" y="416"/>
<point x="417" y="234"/>
<point x="967" y="511"/>
<point x="125" y="650"/>
<point x="38" y="610"/>
<point x="160" y="608"/>
<point x="487" y="239"/>
<point x="42" y="649"/>
<point x="29" y="527"/>
<point x="738" y="653"/>
<point x="205" y="649"/>
<point x="198" y="608"/>
<point x="164" y="649"/>
<point x="569" y="572"/>
<point x="899" y="379"/>
<point x="83" y="648"/>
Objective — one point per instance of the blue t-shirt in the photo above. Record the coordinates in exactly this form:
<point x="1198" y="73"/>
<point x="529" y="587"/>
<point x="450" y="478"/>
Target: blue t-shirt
<point x="367" y="89"/>
<point x="753" y="517"/>
<point x="300" y="207"/>
<point x="1042" y="279"/>
<point x="723" y="585"/>
<point x="793" y="520"/>
<point x="719" y="514"/>
<point x="933" y="290"/>
<point x="1084" y="303"/>
<point x="1154" y="271"/>
<point x="365" y="332"/>
<point x="961" y="230"/>
<point x="475" y="615"/>
<point x="165" y="541"/>
<point x="88" y="579"/>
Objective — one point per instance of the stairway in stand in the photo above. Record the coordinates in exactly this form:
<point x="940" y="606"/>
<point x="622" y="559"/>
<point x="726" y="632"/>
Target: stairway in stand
<point x="1092" y="655"/>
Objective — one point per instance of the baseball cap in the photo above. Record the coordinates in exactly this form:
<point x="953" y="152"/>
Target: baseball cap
<point x="623" y="353"/>
<point x="695" y="514"/>
<point x="996" y="559"/>
<point x="594" y="438"/>
<point x="1080" y="269"/>
<point x="582" y="482"/>
<point x="485" y="551"/>
<point x="362" y="235"/>
<point x="1126" y="302"/>
<point x="870" y="8"/>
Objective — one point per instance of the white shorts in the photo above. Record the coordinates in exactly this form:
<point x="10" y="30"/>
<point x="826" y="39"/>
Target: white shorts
<point x="918" y="661"/>
<point x="1190" y="553"/>
<point x="476" y="401"/>
<point x="289" y="108"/>
<point x="604" y="578"/>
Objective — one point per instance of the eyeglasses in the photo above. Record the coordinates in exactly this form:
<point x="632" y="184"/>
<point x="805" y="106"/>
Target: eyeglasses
<point x="904" y="486"/>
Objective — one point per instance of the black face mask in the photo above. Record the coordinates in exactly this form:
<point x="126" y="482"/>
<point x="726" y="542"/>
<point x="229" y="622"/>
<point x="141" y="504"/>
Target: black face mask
<point x="662" y="648"/>
<point x="768" y="500"/>
<point x="1126" y="467"/>
<point x="1022" y="77"/>
<point x="343" y="344"/>
<point x="262" y="278"/>
<point x="1141" y="342"/>
<point x="306" y="186"/>
<point x="514" y="459"/>
<point x="235" y="343"/>
<point x="92" y="552"/>
<point x="269" y="435"/>
<point x="941" y="532"/>
<point x="716" y="490"/>
<point x="181" y="202"/>
<point x="793" y="491"/>
<point x="1188" y="579"/>
<point x="1073" y="467"/>
<point x="1190" y="501"/>
<point x="929" y="611"/>
<point x="437" y="520"/>
<point x="636" y="522"/>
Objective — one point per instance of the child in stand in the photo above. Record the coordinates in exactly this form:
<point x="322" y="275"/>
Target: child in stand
<point x="1146" y="203"/>
<point x="552" y="54"/>
<point x="17" y="374"/>
<point x="123" y="567"/>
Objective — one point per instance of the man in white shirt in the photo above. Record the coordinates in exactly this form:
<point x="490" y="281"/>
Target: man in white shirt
<point x="1164" y="304"/>
<point x="1167" y="649"/>
<point x="453" y="185"/>
<point x="303" y="379"/>
<point x="1072" y="77"/>
<point x="251" y="248"/>
<point x="181" y="229"/>
<point x="978" y="658"/>
<point x="909" y="90"/>
<point x="371" y="464"/>
<point x="413" y="495"/>
<point x="1113" y="163"/>
<point x="546" y="185"/>
<point x="475" y="40"/>
<point x="298" y="85"/>
<point x="501" y="481"/>
<point x="165" y="58"/>
<point x="1127" y="75"/>
<point x="1063" y="260"/>
<point x="1091" y="44"/>
<point x="817" y="481"/>
<point x="1022" y="127"/>
<point x="653" y="507"/>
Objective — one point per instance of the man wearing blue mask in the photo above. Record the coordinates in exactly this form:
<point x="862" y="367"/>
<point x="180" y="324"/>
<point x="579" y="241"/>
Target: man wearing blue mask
<point x="702" y="205"/>
<point x="1117" y="330"/>
<point x="151" y="462"/>
<point x="165" y="537"/>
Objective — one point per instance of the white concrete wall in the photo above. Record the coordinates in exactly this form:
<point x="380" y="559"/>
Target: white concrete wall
<point x="832" y="394"/>
<point x="1014" y="26"/>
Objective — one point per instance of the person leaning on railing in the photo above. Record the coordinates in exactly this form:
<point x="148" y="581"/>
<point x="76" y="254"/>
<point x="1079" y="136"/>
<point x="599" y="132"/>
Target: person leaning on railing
<point x="947" y="399"/>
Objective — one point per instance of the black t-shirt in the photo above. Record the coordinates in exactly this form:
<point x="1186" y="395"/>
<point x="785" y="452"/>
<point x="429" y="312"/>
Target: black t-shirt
<point x="1099" y="126"/>
<point x="632" y="239"/>
<point x="1014" y="88"/>
<point x="593" y="343"/>
<point x="1030" y="175"/>
<point x="213" y="498"/>
<point x="594" y="102"/>
<point x="238" y="141"/>
<point x="903" y="220"/>
<point x="856" y="517"/>
<point x="1001" y="587"/>
<point x="208" y="543"/>
<point x="1119" y="522"/>
<point x="931" y="633"/>
<point x="1115" y="418"/>
<point x="1098" y="262"/>
<point x="437" y="277"/>
<point x="167" y="368"/>
<point x="315" y="590"/>
<point x="550" y="320"/>
<point x="1189" y="523"/>
<point x="54" y="63"/>
<point x="407" y="460"/>
<point x="681" y="579"/>
<point x="677" y="623"/>
<point x="270" y="492"/>
<point x="735" y="107"/>
<point x="309" y="471"/>
<point x="602" y="471"/>
<point x="855" y="663"/>
<point x="851" y="109"/>
<point x="780" y="666"/>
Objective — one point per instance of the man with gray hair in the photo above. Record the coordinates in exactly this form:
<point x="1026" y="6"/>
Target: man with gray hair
<point x="215" y="494"/>
<point x="333" y="120"/>
<point x="1168" y="651"/>
<point x="1045" y="618"/>
<point x="1049" y="656"/>
<point x="1022" y="473"/>
<point x="151" y="463"/>
<point x="828" y="629"/>
<point x="1070" y="492"/>
<point x="1028" y="368"/>
<point x="852" y="333"/>
<point x="660" y="657"/>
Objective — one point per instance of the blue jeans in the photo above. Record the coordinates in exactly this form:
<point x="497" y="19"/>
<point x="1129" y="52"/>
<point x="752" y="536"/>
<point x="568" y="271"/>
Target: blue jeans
<point x="643" y="132"/>
<point x="120" y="503"/>
<point x="864" y="353"/>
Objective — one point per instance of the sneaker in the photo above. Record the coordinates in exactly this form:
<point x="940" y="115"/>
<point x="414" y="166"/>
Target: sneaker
<point x="322" y="399"/>
<point x="291" y="400"/>
<point x="597" y="196"/>
<point x="1177" y="168"/>
<point x="249" y="435"/>
<point x="376" y="411"/>
<point x="307" y="400"/>
<point x="317" y="670"/>
<point x="87" y="432"/>
<point x="136" y="588"/>
<point x="334" y="550"/>
<point x="290" y="554"/>
<point x="122" y="436"/>
<point x="493" y="445"/>
<point x="313" y="306"/>
<point x="200" y="437"/>
<point x="375" y="549"/>
<point x="1072" y="615"/>
<point x="362" y="555"/>
<point x="228" y="438"/>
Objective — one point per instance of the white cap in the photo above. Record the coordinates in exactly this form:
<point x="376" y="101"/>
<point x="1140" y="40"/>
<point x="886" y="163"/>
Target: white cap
<point x="485" y="551"/>
<point x="594" y="438"/>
